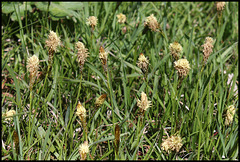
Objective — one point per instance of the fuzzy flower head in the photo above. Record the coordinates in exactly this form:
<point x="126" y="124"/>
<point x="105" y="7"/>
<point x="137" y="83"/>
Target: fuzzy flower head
<point x="53" y="41"/>
<point x="220" y="5"/>
<point x="103" y="57"/>
<point x="143" y="104"/>
<point x="151" y="22"/>
<point x="182" y="66"/>
<point x="92" y="21"/>
<point x="207" y="48"/>
<point x="229" y="115"/>
<point x="175" y="50"/>
<point x="143" y="63"/>
<point x="121" y="18"/>
<point x="81" y="111"/>
<point x="9" y="115"/>
<point x="172" y="143"/>
<point x="83" y="150"/>
<point x="100" y="100"/>
<point x="82" y="54"/>
<point x="33" y="64"/>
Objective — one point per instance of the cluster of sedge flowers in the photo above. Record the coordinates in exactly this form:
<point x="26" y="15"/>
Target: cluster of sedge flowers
<point x="143" y="63"/>
<point x="103" y="57"/>
<point x="207" y="48"/>
<point x="230" y="111"/>
<point x="99" y="101"/>
<point x="173" y="143"/>
<point x="182" y="66"/>
<point x="52" y="43"/>
<point x="83" y="150"/>
<point x="9" y="115"/>
<point x="121" y="18"/>
<point x="143" y="104"/>
<point x="32" y="66"/>
<point x="81" y="112"/>
<point x="82" y="54"/>
<point x="220" y="6"/>
<point x="151" y="23"/>
<point x="92" y="21"/>
<point x="175" y="50"/>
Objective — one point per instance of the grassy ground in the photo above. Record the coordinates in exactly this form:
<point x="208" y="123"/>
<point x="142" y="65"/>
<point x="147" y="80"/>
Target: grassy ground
<point x="46" y="125"/>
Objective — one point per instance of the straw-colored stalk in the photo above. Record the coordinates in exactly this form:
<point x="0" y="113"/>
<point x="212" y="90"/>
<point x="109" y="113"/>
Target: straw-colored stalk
<point x="117" y="140"/>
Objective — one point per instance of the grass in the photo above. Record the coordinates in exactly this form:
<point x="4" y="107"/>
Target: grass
<point x="194" y="110"/>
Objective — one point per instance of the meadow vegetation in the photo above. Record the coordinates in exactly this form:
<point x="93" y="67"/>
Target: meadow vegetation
<point x="119" y="80"/>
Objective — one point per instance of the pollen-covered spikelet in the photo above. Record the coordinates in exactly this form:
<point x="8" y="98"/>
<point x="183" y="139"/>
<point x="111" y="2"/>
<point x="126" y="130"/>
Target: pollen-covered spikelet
<point x="81" y="112"/>
<point x="143" y="104"/>
<point x="230" y="111"/>
<point x="32" y="66"/>
<point x="207" y="48"/>
<point x="121" y="18"/>
<point x="220" y="6"/>
<point x="182" y="66"/>
<point x="100" y="100"/>
<point x="172" y="143"/>
<point x="103" y="57"/>
<point x="151" y="22"/>
<point x="175" y="50"/>
<point x="82" y="54"/>
<point x="143" y="63"/>
<point x="83" y="150"/>
<point x="52" y="43"/>
<point x="92" y="21"/>
<point x="9" y="115"/>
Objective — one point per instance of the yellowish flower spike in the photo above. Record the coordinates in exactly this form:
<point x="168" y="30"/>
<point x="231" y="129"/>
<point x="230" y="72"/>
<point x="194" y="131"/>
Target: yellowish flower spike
<point x="103" y="57"/>
<point x="229" y="115"/>
<point x="175" y="50"/>
<point x="82" y="54"/>
<point x="92" y="21"/>
<point x="81" y="112"/>
<point x="143" y="63"/>
<point x="143" y="104"/>
<point x="32" y="66"/>
<point x="182" y="66"/>
<point x="121" y="18"/>
<point x="207" y="48"/>
<point x="173" y="143"/>
<point x="83" y="150"/>
<point x="53" y="41"/>
<point x="9" y="115"/>
<point x="151" y="22"/>
<point x="220" y="5"/>
<point x="100" y="100"/>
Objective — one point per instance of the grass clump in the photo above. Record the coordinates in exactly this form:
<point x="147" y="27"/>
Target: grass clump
<point x="180" y="58"/>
